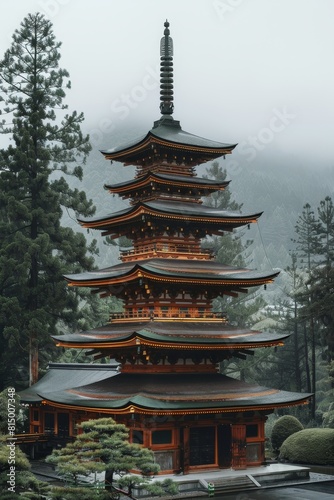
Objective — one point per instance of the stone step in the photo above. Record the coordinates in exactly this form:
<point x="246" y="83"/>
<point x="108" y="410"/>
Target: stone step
<point x="231" y="484"/>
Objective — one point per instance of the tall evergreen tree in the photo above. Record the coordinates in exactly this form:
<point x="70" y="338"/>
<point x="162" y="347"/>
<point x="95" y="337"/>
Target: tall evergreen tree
<point x="315" y="299"/>
<point x="296" y="281"/>
<point x="230" y="249"/>
<point x="220" y="199"/>
<point x="322" y="283"/>
<point x="307" y="246"/>
<point x="307" y="241"/>
<point x="35" y="250"/>
<point x="326" y="231"/>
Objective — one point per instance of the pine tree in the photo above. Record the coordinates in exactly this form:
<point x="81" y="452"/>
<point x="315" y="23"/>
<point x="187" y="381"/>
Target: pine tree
<point x="17" y="482"/>
<point x="291" y="370"/>
<point x="45" y="142"/>
<point x="220" y="199"/>
<point x="322" y="278"/>
<point x="307" y="241"/>
<point x="296" y="281"/>
<point x="230" y="249"/>
<point x="315" y="249"/>
<point x="104" y="446"/>
<point x="307" y="246"/>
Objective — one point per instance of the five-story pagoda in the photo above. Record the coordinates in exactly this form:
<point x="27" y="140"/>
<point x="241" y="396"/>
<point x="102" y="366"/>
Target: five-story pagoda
<point x="167" y="342"/>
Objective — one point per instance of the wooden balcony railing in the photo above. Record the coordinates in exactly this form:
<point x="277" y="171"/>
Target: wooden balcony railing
<point x="165" y="250"/>
<point x="169" y="315"/>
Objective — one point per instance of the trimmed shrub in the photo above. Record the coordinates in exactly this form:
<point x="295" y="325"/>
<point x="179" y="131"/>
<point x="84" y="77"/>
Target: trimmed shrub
<point x="309" y="446"/>
<point x="282" y="429"/>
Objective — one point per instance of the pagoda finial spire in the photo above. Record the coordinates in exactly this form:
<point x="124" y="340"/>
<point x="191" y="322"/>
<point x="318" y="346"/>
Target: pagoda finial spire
<point x="166" y="72"/>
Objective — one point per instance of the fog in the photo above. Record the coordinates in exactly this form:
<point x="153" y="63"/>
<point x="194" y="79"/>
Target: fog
<point x="256" y="72"/>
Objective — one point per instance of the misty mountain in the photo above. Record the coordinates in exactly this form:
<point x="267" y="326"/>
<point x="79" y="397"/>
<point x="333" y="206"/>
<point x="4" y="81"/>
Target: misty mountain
<point x="279" y="185"/>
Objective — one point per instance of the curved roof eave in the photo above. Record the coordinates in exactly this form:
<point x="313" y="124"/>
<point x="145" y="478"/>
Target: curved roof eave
<point x="141" y="402"/>
<point x="144" y="405"/>
<point x="202" y="181"/>
<point x="171" y="135"/>
<point x="158" y="326"/>
<point x="102" y="387"/>
<point x="170" y="208"/>
<point x="176" y="340"/>
<point x="175" y="270"/>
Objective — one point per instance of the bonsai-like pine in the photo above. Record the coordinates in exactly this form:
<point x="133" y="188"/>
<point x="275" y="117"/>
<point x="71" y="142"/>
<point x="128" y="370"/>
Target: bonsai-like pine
<point x="104" y="446"/>
<point x="309" y="446"/>
<point x="283" y="428"/>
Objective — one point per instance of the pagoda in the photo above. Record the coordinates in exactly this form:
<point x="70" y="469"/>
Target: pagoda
<point x="166" y="345"/>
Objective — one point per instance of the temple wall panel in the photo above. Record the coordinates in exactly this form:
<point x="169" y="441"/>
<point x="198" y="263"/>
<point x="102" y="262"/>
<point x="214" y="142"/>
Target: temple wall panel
<point x="180" y="444"/>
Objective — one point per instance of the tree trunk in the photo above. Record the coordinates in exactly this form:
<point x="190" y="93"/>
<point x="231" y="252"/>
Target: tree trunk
<point x="313" y="369"/>
<point x="296" y="349"/>
<point x="307" y="365"/>
<point x="33" y="360"/>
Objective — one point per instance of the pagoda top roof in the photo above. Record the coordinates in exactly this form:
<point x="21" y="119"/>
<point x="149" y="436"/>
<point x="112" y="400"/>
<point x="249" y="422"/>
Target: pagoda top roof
<point x="164" y="394"/>
<point x="177" y="333"/>
<point x="167" y="133"/>
<point x="166" y="137"/>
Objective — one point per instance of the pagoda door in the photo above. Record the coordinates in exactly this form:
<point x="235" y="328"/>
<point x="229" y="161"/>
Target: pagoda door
<point x="239" y="447"/>
<point x="202" y="441"/>
<point x="224" y="446"/>
<point x="63" y="425"/>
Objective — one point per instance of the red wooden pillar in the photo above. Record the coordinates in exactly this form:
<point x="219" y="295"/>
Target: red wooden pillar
<point x="186" y="450"/>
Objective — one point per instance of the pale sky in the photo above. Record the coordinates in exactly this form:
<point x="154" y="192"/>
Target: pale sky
<point x="256" y="72"/>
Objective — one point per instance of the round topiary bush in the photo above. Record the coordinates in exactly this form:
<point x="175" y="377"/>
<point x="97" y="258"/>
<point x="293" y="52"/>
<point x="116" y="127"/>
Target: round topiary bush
<point x="282" y="429"/>
<point x="309" y="446"/>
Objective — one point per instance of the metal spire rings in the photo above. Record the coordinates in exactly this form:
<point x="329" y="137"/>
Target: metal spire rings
<point x="166" y="73"/>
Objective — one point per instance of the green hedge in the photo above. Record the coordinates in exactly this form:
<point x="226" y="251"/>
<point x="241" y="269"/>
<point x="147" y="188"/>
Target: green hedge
<point x="282" y="429"/>
<point x="309" y="446"/>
